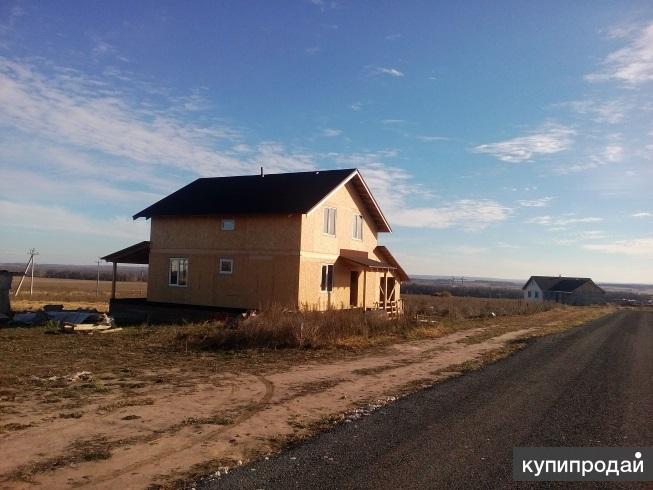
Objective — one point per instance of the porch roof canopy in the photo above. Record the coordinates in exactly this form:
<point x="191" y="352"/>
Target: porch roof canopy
<point x="360" y="259"/>
<point x="138" y="253"/>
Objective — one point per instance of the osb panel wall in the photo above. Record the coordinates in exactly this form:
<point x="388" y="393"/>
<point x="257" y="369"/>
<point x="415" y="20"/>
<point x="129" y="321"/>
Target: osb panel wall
<point x="274" y="232"/>
<point x="311" y="296"/>
<point x="257" y="280"/>
<point x="347" y="203"/>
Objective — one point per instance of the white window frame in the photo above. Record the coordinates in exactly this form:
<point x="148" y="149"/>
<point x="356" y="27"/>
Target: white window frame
<point x="179" y="262"/>
<point x="226" y="261"/>
<point x="226" y="228"/>
<point x="357" y="231"/>
<point x="333" y="273"/>
<point x="326" y="223"/>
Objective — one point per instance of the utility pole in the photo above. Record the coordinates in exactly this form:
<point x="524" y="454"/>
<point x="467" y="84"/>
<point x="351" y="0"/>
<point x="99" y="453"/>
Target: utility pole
<point x="32" y="252"/>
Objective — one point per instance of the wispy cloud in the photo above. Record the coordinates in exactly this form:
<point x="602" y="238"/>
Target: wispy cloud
<point x="633" y="63"/>
<point x="331" y="132"/>
<point x="395" y="188"/>
<point x="393" y="37"/>
<point x="68" y="107"/>
<point x="469" y="214"/>
<point x="312" y="50"/>
<point x="600" y="111"/>
<point x="547" y="140"/>
<point x="356" y="106"/>
<point x="393" y="121"/>
<point x="642" y="214"/>
<point x="59" y="219"/>
<point x="393" y="72"/>
<point x="431" y="139"/>
<point x="562" y="221"/>
<point x="535" y="203"/>
<point x="611" y="153"/>
<point x="579" y="236"/>
<point x="636" y="247"/>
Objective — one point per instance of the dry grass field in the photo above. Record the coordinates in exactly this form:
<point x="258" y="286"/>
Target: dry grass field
<point x="157" y="405"/>
<point x="73" y="293"/>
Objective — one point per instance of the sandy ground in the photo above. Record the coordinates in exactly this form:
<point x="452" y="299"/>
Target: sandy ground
<point x="166" y="433"/>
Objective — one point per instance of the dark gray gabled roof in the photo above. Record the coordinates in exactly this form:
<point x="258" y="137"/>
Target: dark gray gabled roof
<point x="287" y="193"/>
<point x="559" y="284"/>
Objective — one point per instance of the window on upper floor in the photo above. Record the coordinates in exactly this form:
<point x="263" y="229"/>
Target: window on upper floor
<point x="326" y="283"/>
<point x="529" y="294"/>
<point x="228" y="224"/>
<point x="537" y="294"/>
<point x="178" y="274"/>
<point x="358" y="227"/>
<point x="329" y="226"/>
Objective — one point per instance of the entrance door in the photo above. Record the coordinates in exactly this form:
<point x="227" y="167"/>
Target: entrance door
<point x="353" y="288"/>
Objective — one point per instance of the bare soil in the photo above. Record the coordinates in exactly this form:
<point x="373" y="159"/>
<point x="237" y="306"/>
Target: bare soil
<point x="134" y="409"/>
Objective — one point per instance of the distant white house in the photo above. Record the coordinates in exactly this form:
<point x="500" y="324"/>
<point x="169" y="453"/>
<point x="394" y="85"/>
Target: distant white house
<point x="569" y="290"/>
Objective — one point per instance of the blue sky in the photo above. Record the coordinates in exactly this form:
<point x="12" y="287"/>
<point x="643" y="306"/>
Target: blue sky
<point x="500" y="142"/>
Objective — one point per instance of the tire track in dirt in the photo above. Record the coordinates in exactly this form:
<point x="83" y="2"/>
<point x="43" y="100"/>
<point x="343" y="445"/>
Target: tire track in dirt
<point x="257" y="407"/>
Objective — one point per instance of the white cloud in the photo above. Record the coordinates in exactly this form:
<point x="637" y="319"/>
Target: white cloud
<point x="561" y="222"/>
<point x="356" y="106"/>
<point x="469" y="214"/>
<point x="535" y="203"/>
<point x="69" y="108"/>
<point x="430" y="139"/>
<point x="612" y="153"/>
<point x="642" y="214"/>
<point x="393" y="121"/>
<point x="393" y="37"/>
<point x="393" y="188"/>
<point x="546" y="141"/>
<point x="579" y="236"/>
<point x="611" y="112"/>
<point x="393" y="72"/>
<point x="635" y="247"/>
<point x="331" y="132"/>
<point x="312" y="50"/>
<point x="632" y="64"/>
<point x="59" y="219"/>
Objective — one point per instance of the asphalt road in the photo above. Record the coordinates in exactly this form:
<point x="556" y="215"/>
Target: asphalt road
<point x="589" y="386"/>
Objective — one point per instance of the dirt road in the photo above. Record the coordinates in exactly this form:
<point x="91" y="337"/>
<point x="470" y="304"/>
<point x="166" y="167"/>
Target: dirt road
<point x="590" y="386"/>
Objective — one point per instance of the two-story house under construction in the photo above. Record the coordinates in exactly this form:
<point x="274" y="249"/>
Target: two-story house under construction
<point x="302" y="240"/>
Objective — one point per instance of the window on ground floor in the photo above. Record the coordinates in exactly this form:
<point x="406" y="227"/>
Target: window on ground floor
<point x="327" y="278"/>
<point x="226" y="266"/>
<point x="529" y="294"/>
<point x="178" y="275"/>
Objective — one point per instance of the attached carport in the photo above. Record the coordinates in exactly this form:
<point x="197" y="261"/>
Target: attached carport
<point x="138" y="253"/>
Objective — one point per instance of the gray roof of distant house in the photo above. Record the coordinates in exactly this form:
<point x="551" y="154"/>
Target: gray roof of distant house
<point x="559" y="284"/>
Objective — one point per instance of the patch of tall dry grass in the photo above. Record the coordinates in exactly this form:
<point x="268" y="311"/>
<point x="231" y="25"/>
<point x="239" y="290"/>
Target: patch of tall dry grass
<point x="278" y="328"/>
<point x="461" y="308"/>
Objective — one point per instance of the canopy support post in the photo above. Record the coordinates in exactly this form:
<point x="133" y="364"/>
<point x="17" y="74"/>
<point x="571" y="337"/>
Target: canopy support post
<point x="364" y="289"/>
<point x="385" y="290"/>
<point x="113" y="280"/>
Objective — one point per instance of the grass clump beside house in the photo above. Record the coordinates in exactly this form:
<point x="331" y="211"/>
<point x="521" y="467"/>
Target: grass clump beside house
<point x="425" y="316"/>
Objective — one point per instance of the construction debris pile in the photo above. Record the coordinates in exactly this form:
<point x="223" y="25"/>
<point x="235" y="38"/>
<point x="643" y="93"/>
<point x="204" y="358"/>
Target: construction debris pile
<point x="66" y="321"/>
